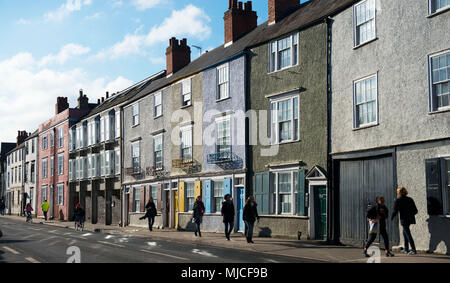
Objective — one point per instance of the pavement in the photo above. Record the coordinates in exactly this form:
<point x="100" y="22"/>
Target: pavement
<point x="212" y="247"/>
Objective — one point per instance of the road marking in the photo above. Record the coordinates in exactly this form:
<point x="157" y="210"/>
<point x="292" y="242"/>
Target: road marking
<point x="53" y="231"/>
<point x="11" y="250"/>
<point x="203" y="253"/>
<point x="30" y="236"/>
<point x="49" y="238"/>
<point x="161" y="254"/>
<point x="32" y="260"/>
<point x="271" y="260"/>
<point x="152" y="244"/>
<point x="112" y="244"/>
<point x="109" y="237"/>
<point x="86" y="235"/>
<point x="65" y="234"/>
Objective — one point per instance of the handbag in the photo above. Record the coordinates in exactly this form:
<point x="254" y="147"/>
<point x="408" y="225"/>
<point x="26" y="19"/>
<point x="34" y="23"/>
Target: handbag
<point x="374" y="227"/>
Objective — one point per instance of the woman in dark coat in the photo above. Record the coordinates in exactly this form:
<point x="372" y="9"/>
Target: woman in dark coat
<point x="250" y="215"/>
<point x="199" y="210"/>
<point x="150" y="214"/>
<point x="379" y="214"/>
<point x="228" y="215"/>
<point x="408" y="210"/>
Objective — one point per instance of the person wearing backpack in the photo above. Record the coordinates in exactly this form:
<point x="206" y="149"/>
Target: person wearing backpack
<point x="377" y="215"/>
<point x="408" y="210"/>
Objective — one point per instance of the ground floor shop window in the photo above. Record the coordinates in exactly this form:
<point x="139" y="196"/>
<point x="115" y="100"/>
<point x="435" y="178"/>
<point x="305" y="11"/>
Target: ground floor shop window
<point x="438" y="186"/>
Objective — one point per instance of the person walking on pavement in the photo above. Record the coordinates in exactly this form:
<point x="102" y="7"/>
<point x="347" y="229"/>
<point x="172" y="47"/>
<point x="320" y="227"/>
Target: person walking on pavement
<point x="79" y="214"/>
<point x="150" y="214"/>
<point x="2" y="207"/>
<point x="408" y="210"/>
<point x="377" y="216"/>
<point x="228" y="215"/>
<point x="199" y="210"/>
<point x="45" y="206"/>
<point x="250" y="215"/>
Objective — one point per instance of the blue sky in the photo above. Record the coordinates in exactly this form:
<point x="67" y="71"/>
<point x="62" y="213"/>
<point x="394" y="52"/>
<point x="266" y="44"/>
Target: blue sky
<point x="55" y="47"/>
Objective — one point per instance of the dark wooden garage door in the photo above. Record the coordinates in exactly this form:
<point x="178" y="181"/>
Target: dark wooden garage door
<point x="361" y="181"/>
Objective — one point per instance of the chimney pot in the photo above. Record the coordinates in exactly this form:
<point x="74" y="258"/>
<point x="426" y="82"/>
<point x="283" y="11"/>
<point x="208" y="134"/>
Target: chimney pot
<point x="279" y="8"/>
<point x="239" y="21"/>
<point x="178" y="55"/>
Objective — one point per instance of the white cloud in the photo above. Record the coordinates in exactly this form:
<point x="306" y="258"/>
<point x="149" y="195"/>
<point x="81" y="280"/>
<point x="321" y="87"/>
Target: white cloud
<point x="95" y="16"/>
<point x="143" y="5"/>
<point x="117" y="4"/>
<point x="67" y="52"/>
<point x="28" y="92"/>
<point x="23" y="21"/>
<point x="66" y="9"/>
<point x="188" y="22"/>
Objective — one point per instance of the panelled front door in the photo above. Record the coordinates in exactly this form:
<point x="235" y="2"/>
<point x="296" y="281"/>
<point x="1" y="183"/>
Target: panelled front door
<point x="175" y="200"/>
<point x="240" y="199"/>
<point x="320" y="212"/>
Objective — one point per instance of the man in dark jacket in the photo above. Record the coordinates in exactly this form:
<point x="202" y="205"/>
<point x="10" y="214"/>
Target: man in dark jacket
<point x="407" y="209"/>
<point x="2" y="207"/>
<point x="199" y="210"/>
<point x="250" y="215"/>
<point x="228" y="215"/>
<point x="150" y="214"/>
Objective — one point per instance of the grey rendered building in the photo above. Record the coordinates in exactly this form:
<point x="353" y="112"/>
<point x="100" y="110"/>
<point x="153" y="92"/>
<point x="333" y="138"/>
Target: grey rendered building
<point x="390" y="70"/>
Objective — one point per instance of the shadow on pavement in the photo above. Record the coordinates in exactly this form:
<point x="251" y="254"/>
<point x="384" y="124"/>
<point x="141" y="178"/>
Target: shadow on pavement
<point x="13" y="241"/>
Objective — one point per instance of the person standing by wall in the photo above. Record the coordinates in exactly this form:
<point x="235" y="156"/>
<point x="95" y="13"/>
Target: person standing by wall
<point x="408" y="210"/>
<point x="199" y="210"/>
<point x="228" y="215"/>
<point x="377" y="215"/>
<point x="250" y="215"/>
<point x="2" y="207"/>
<point x="45" y="206"/>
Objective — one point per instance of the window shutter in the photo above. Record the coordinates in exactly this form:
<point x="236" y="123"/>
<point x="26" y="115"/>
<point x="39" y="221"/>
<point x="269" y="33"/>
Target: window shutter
<point x="262" y="192"/>
<point x="434" y="186"/>
<point x="131" y="200"/>
<point x="227" y="187"/>
<point x="198" y="189"/>
<point x="301" y="192"/>
<point x="159" y="197"/>
<point x="181" y="198"/>
<point x="207" y="192"/>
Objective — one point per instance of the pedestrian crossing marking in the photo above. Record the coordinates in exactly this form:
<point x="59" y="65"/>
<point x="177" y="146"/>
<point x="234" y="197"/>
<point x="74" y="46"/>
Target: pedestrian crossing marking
<point x="32" y="260"/>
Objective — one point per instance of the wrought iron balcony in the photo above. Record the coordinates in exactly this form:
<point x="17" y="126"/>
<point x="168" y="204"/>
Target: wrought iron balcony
<point x="182" y="163"/>
<point x="220" y="157"/>
<point x="133" y="171"/>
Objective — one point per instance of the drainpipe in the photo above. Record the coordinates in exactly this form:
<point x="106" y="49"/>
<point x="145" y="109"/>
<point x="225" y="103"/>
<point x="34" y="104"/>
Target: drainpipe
<point x="331" y="224"/>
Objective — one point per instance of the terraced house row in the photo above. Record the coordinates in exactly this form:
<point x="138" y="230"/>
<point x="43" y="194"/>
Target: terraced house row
<point x="315" y="112"/>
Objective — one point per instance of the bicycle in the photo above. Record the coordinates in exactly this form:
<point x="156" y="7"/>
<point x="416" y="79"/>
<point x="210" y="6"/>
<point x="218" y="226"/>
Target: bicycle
<point x="29" y="218"/>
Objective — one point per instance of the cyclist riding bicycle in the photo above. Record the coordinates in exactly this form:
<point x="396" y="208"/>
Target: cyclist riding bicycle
<point x="79" y="215"/>
<point x="28" y="210"/>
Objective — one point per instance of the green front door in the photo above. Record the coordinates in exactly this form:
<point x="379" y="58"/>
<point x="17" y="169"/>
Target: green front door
<point x="320" y="212"/>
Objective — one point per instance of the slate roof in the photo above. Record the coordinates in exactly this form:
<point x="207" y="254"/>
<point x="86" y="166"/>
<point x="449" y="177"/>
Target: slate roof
<point x="301" y="17"/>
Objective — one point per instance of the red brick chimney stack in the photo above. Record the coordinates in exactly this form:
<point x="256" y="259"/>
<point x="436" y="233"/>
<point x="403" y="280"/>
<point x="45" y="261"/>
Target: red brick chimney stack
<point x="21" y="137"/>
<point x="239" y="20"/>
<point x="279" y="8"/>
<point x="61" y="104"/>
<point x="178" y="55"/>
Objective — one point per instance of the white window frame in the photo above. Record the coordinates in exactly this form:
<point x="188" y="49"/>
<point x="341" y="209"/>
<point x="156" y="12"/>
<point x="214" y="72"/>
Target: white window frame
<point x="183" y="131"/>
<point x="158" y="107"/>
<point x="217" y="198"/>
<point x="437" y="11"/>
<point x="355" y="25"/>
<point x="137" y="202"/>
<point x="433" y="107"/>
<point x="189" y="196"/>
<point x="60" y="193"/>
<point x="60" y="163"/>
<point x="218" y="121"/>
<point x="135" y="112"/>
<point x="226" y="83"/>
<point x="356" y="124"/>
<point x="274" y="64"/>
<point x="133" y="157"/>
<point x="52" y="166"/>
<point x="117" y="124"/>
<point x="61" y="137"/>
<point x="186" y="94"/>
<point x="154" y="194"/>
<point x="275" y="123"/>
<point x="276" y="189"/>
<point x="117" y="162"/>
<point x="155" y="138"/>
<point x="44" y="193"/>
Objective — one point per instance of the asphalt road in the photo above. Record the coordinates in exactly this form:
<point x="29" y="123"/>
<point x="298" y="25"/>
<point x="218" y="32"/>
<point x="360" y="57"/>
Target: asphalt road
<point x="38" y="243"/>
